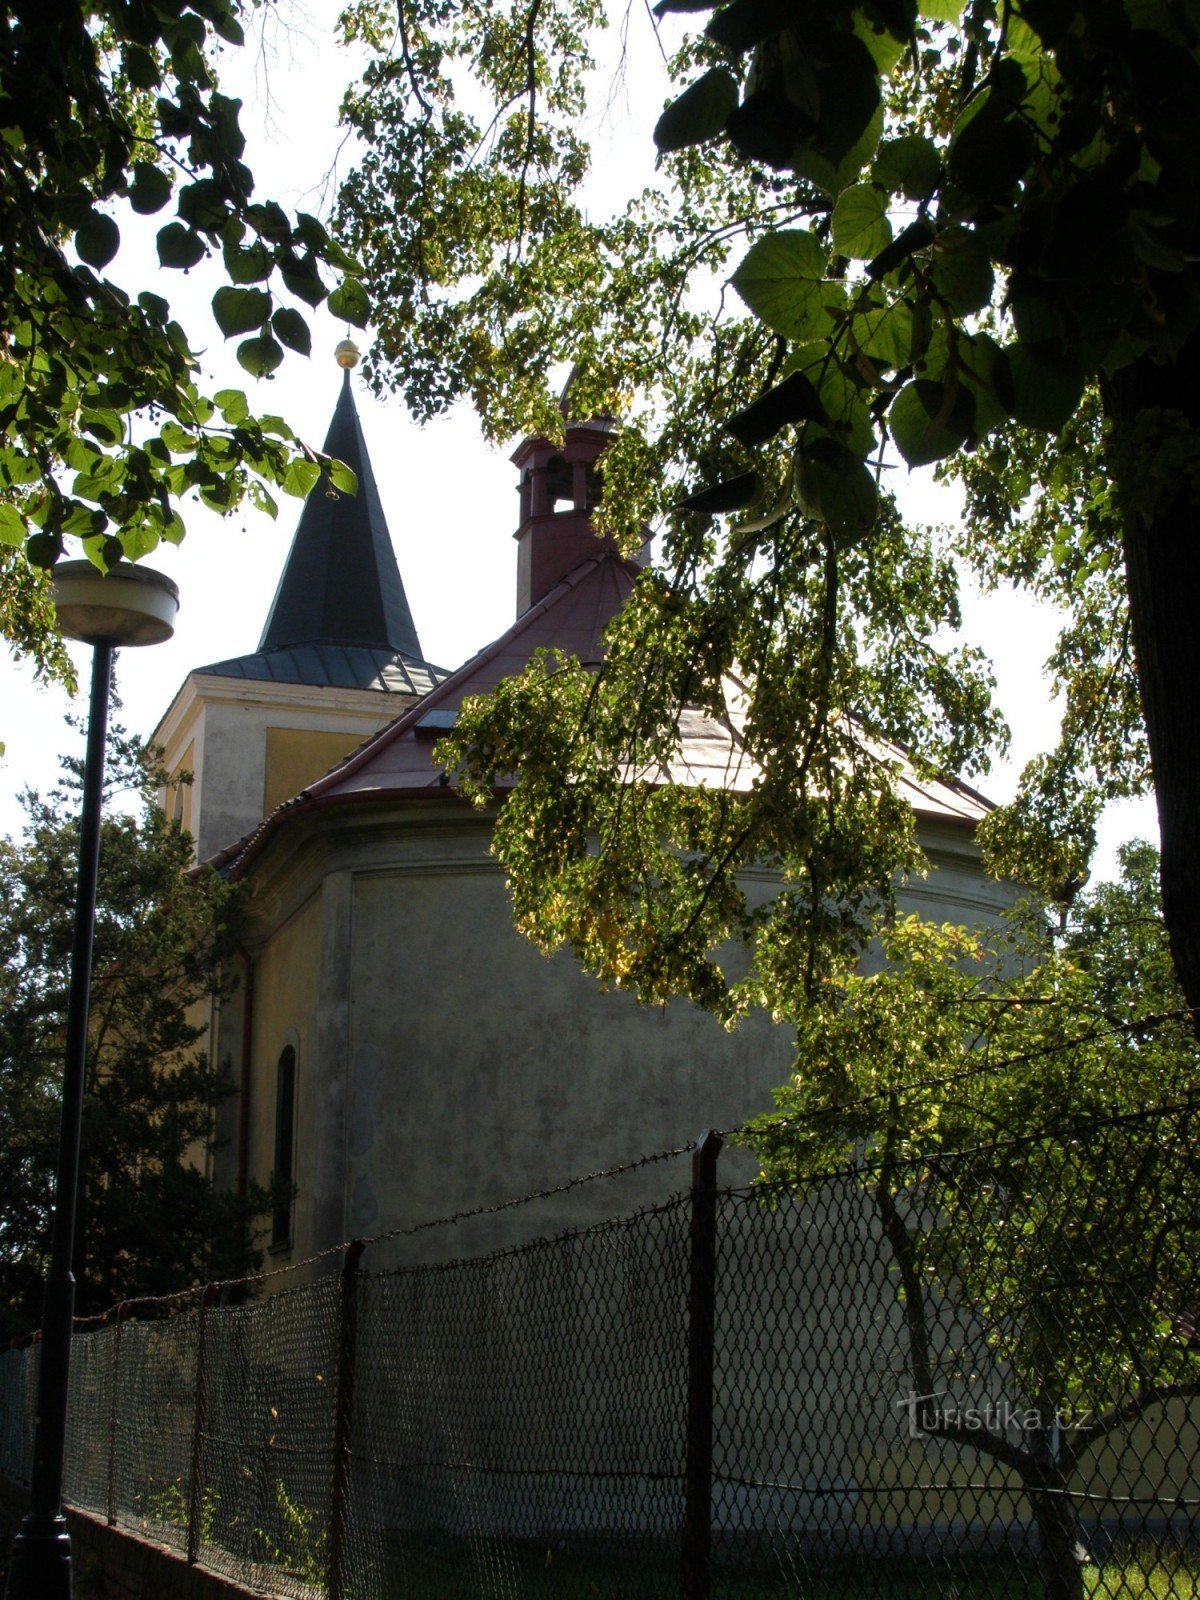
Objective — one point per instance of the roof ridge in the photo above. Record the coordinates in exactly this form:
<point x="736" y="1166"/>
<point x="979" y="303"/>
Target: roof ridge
<point x="412" y="715"/>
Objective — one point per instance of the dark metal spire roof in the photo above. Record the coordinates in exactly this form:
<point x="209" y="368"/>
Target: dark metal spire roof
<point x="341" y="584"/>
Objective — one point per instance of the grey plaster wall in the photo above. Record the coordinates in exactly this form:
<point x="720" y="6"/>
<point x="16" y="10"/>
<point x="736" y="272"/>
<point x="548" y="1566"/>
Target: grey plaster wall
<point x="446" y="1064"/>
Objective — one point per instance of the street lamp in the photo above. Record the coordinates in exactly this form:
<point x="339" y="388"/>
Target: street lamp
<point x="127" y="606"/>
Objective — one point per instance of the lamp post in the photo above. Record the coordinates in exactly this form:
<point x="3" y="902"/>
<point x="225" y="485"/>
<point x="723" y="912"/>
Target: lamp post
<point x="127" y="606"/>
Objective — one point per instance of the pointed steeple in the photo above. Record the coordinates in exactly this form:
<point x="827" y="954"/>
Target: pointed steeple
<point x="341" y="585"/>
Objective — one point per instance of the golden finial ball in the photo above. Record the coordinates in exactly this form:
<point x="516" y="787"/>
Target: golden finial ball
<point x="347" y="353"/>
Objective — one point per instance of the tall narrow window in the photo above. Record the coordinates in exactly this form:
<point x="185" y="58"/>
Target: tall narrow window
<point x="285" y="1140"/>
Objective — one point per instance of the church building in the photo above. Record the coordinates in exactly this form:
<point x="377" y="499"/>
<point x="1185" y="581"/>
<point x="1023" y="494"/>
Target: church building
<point x="399" y="1050"/>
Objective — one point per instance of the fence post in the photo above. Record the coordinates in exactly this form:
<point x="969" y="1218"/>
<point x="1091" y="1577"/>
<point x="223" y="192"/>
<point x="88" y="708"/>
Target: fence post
<point x="343" y="1419"/>
<point x="702" y="1296"/>
<point x="114" y="1412"/>
<point x="199" y="1425"/>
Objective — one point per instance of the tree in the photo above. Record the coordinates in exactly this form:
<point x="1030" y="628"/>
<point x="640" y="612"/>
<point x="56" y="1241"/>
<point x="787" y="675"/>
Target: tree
<point x="1023" y="1121"/>
<point x="971" y="241"/>
<point x="115" y="106"/>
<point x="150" y="1221"/>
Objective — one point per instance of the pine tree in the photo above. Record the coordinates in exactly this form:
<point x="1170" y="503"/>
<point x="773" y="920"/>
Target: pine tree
<point x="150" y="1220"/>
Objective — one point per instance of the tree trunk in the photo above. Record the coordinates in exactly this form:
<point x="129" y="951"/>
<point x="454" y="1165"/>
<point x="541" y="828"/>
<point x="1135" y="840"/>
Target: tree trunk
<point x="1162" y="564"/>
<point x="1059" y="1555"/>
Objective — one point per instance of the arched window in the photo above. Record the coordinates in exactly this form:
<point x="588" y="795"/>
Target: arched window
<point x="285" y="1145"/>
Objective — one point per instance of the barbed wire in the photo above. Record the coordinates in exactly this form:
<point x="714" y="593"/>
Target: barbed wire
<point x="739" y="1132"/>
<point x="178" y="1296"/>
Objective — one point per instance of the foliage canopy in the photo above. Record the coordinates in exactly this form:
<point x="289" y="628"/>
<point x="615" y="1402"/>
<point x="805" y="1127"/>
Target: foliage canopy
<point x="952" y="235"/>
<point x="111" y="109"/>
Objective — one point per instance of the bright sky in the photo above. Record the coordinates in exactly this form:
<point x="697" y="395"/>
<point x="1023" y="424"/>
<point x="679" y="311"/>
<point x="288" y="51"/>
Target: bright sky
<point x="450" y="499"/>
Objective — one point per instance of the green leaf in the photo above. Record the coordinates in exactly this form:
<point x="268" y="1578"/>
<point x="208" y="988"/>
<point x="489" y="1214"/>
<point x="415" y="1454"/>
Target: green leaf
<point x="793" y="400"/>
<point x="179" y="246"/>
<point x="835" y="487"/>
<point x="97" y="240"/>
<point x="738" y="26"/>
<point x="962" y="272"/>
<point x="885" y="333"/>
<point x="240" y="310"/>
<point x="259" y="356"/>
<point x="940" y="10"/>
<point x="349" y="303"/>
<point x="915" y="237"/>
<point x="262" y="501"/>
<point x="301" y="477"/>
<point x="986" y="374"/>
<point x="42" y="550"/>
<point x="343" y="478"/>
<point x="150" y="189"/>
<point x="247" y="263"/>
<point x="203" y="204"/>
<point x="270" y="220"/>
<point x="104" y="425"/>
<point x="292" y="330"/>
<point x="731" y="495"/>
<point x="699" y="113"/>
<point x="303" y="280"/>
<point x="909" y="166"/>
<point x="12" y="525"/>
<point x="860" y="227"/>
<point x="1046" y="390"/>
<point x="929" y="421"/>
<point x="233" y="405"/>
<point x="780" y="280"/>
<point x="226" y="24"/>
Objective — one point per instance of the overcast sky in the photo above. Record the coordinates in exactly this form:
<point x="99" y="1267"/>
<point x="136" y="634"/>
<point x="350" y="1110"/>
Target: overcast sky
<point x="450" y="499"/>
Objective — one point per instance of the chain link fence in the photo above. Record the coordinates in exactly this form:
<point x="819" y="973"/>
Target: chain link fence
<point x="955" y="1374"/>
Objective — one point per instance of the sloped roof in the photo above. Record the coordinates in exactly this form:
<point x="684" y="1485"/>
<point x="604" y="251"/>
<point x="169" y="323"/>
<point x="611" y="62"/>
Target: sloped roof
<point x="399" y="759"/>
<point x="333" y="666"/>
<point x="340" y="617"/>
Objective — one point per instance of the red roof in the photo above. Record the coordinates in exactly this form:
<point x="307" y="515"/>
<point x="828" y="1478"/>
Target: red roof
<point x="571" y="618"/>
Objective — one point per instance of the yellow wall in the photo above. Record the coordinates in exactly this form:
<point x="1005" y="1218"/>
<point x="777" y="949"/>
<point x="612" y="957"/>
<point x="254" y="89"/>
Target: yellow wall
<point x="298" y="756"/>
<point x="179" y="803"/>
<point x="286" y="983"/>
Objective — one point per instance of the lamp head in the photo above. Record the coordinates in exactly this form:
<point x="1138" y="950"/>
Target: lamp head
<point x="130" y="605"/>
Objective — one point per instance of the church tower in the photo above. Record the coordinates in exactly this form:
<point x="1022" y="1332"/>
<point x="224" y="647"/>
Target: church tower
<point x="338" y="658"/>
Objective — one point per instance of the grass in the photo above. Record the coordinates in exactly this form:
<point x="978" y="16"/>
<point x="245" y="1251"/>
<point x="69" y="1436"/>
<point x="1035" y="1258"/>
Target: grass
<point x="432" y="1568"/>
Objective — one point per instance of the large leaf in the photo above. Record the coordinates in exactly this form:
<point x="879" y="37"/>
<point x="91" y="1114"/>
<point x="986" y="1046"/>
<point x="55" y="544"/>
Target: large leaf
<point x="1046" y="390"/>
<point x="731" y="495"/>
<point x="793" y="400"/>
<point x="962" y="270"/>
<point x="259" y="356"/>
<point x="291" y="328"/>
<point x="301" y="477"/>
<point x="834" y="487"/>
<point x="343" y="478"/>
<point x="97" y="240"/>
<point x="885" y="332"/>
<point x="738" y="26"/>
<point x="240" y="310"/>
<point x="179" y="246"/>
<point x="909" y="166"/>
<point x="929" y="420"/>
<point x="699" y="113"/>
<point x="150" y="189"/>
<point x="247" y="263"/>
<point x="780" y="280"/>
<point x="12" y="525"/>
<point x="349" y="302"/>
<point x="860" y="225"/>
<point x="767" y="127"/>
